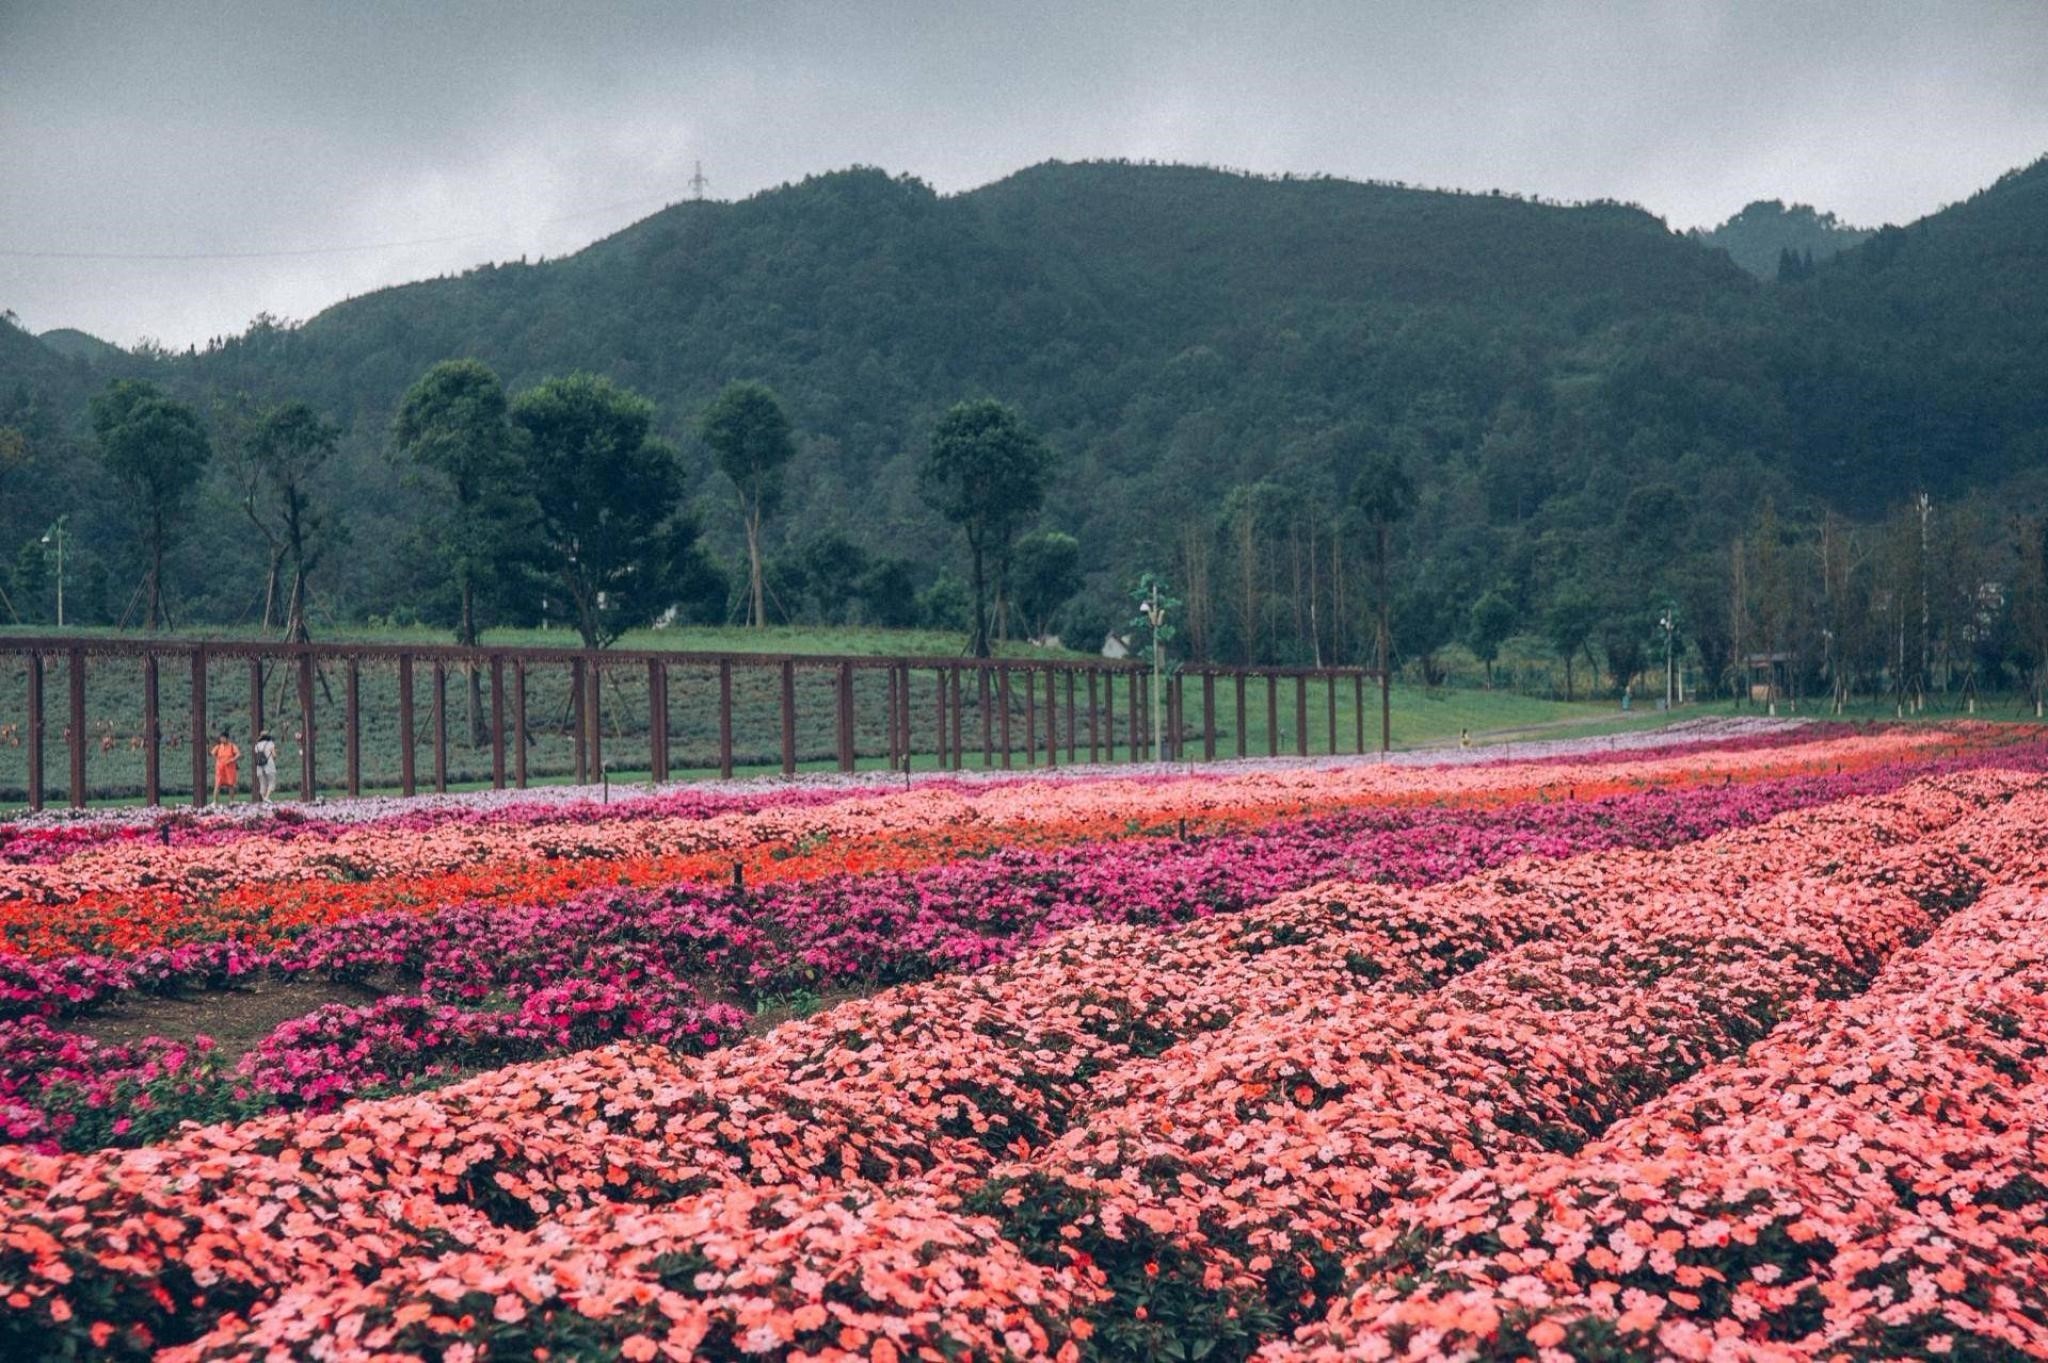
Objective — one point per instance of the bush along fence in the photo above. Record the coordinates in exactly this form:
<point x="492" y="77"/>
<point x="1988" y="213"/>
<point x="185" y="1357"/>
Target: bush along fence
<point x="361" y="718"/>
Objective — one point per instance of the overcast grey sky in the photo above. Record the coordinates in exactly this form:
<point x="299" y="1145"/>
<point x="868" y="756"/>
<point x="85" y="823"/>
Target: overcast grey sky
<point x="234" y="127"/>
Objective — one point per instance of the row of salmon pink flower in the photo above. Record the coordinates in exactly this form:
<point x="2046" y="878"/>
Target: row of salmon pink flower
<point x="126" y="899"/>
<point x="1864" y="1183"/>
<point x="921" y="1091"/>
<point x="1660" y="972"/>
<point x="54" y="837"/>
<point x="848" y="931"/>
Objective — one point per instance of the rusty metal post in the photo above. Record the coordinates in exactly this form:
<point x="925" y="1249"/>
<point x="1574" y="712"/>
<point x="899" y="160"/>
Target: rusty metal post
<point x="198" y="726"/>
<point x="408" y="734"/>
<point x="657" y="720"/>
<point x="497" y="722"/>
<point x="35" y="732"/>
<point x="725" y="719"/>
<point x="352" y="725"/>
<point x="440" y="727"/>
<point x="75" y="679"/>
<point x="788" y="717"/>
<point x="519" y="723"/>
<point x="152" y="735"/>
<point x="308" y="772"/>
<point x="1208" y="716"/>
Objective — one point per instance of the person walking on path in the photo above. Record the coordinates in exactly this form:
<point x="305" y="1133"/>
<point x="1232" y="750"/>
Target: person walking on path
<point x="226" y="757"/>
<point x="266" y="766"/>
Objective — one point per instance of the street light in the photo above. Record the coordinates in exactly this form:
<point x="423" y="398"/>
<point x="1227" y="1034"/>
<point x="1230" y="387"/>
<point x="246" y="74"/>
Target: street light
<point x="1669" y="624"/>
<point x="55" y="534"/>
<point x="1155" y="615"/>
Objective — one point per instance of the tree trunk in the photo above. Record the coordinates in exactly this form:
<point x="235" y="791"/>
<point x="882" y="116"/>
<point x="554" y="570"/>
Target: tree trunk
<point x="156" y="567"/>
<point x="978" y="643"/>
<point x="468" y="633"/>
<point x="756" y="607"/>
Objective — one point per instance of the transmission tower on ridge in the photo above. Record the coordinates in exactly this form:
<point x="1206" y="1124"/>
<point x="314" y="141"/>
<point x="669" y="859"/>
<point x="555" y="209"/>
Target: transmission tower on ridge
<point x="697" y="183"/>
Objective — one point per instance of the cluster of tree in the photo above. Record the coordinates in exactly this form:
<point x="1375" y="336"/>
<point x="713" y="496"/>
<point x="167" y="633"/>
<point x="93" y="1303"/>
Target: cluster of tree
<point x="1589" y="410"/>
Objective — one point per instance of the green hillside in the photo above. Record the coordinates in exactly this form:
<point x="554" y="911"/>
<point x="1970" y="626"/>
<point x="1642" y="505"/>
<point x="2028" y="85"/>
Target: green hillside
<point x="1587" y="401"/>
<point x="1772" y="241"/>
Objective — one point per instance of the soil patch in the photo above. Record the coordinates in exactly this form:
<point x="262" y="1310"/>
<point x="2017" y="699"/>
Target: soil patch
<point x="237" y="1019"/>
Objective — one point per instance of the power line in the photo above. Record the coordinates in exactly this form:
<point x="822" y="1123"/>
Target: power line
<point x="299" y="253"/>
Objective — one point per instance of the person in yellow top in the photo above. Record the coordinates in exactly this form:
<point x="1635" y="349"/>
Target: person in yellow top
<point x="226" y="756"/>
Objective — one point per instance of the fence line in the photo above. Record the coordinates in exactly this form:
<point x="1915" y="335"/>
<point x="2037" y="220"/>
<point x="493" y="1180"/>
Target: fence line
<point x="1048" y="695"/>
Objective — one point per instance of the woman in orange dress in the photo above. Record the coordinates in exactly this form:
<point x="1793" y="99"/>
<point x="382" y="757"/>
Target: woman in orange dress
<point x="225" y="772"/>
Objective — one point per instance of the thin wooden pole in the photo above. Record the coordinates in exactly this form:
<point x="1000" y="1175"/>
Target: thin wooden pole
<point x="1272" y="715"/>
<point x="497" y="722"/>
<point x="846" y="749"/>
<point x="1301" y="713"/>
<point x="939" y="712"/>
<point x="256" y="715"/>
<point x="352" y="725"/>
<point x="1134" y="685"/>
<point x="593" y="710"/>
<point x="1094" y="719"/>
<point x="35" y="735"/>
<point x="903" y="674"/>
<point x="1052" y="721"/>
<point x="1386" y="709"/>
<point x="988" y="717"/>
<point x="1330" y="698"/>
<point x="152" y="735"/>
<point x="1030" y="716"/>
<point x="1358" y="707"/>
<point x="579" y="707"/>
<point x="1208" y="716"/>
<point x="308" y="772"/>
<point x="788" y="718"/>
<point x="959" y="719"/>
<point x="725" y="719"/>
<point x="198" y="726"/>
<point x="440" y="727"/>
<point x="1003" y="706"/>
<point x="657" y="720"/>
<point x="407" y="733"/>
<point x="519" y="723"/>
<point x="1243" y="736"/>
<point x="75" y="680"/>
<point x="1073" y="734"/>
<point x="895" y="728"/>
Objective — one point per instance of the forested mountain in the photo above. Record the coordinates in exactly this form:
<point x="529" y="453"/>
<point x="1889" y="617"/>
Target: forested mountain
<point x="1592" y="407"/>
<point x="1772" y="241"/>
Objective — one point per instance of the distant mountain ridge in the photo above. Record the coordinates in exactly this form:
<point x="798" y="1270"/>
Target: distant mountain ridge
<point x="1766" y="237"/>
<point x="1178" y="332"/>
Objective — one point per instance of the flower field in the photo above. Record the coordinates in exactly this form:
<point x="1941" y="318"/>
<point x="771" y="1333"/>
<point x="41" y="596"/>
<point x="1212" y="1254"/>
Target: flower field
<point x="1733" y="1048"/>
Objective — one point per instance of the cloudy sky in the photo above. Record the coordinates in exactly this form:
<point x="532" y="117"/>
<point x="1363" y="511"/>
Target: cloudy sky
<point x="172" y="168"/>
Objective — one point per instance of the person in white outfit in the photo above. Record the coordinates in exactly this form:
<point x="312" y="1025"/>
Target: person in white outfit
<point x="266" y="766"/>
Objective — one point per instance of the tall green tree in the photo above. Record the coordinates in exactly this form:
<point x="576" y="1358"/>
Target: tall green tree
<point x="986" y="472"/>
<point x="1047" y="574"/>
<point x="1492" y="620"/>
<point x="749" y="436"/>
<point x="157" y="448"/>
<point x="1569" y="623"/>
<point x="290" y="447"/>
<point x="1385" y="496"/>
<point x="453" y="426"/>
<point x="609" y="491"/>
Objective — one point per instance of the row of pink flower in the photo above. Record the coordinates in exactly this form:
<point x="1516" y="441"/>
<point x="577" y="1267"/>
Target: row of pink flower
<point x="1150" y="1189"/>
<point x="638" y="948"/>
<point x="1866" y="1183"/>
<point x="52" y="839"/>
<point x="686" y="825"/>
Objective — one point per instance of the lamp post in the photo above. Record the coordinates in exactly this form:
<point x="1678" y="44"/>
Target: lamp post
<point x="55" y="535"/>
<point x="1669" y="624"/>
<point x="1155" y="615"/>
